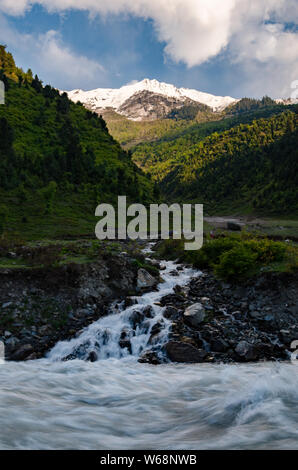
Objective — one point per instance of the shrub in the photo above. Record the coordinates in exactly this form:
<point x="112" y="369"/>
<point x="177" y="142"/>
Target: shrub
<point x="212" y="250"/>
<point x="267" y="250"/>
<point x="236" y="263"/>
<point x="171" y="249"/>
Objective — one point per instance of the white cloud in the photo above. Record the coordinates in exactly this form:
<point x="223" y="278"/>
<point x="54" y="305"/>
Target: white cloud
<point x="47" y="55"/>
<point x="56" y="57"/>
<point x="251" y="32"/>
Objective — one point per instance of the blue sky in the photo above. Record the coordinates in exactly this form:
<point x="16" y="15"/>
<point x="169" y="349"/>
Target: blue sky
<point x="224" y="50"/>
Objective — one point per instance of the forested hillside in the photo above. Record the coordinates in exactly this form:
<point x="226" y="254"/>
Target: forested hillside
<point x="155" y="157"/>
<point x="253" y="167"/>
<point x="57" y="159"/>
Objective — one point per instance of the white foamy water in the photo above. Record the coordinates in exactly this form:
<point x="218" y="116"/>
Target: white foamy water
<point x="103" y="336"/>
<point x="118" y="403"/>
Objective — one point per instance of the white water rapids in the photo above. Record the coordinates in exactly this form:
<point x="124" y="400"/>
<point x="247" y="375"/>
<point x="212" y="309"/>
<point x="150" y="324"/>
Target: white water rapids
<point x="118" y="403"/>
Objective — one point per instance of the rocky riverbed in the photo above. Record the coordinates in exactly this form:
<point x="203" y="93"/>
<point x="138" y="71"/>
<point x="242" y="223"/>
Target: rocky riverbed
<point x="206" y="320"/>
<point x="217" y="322"/>
<point x="41" y="306"/>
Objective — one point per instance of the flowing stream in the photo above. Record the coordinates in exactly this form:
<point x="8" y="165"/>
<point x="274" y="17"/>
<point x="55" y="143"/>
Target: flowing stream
<point x="116" y="402"/>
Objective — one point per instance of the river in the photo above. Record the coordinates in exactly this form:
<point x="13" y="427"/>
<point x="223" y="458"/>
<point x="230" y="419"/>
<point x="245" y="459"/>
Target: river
<point x="118" y="403"/>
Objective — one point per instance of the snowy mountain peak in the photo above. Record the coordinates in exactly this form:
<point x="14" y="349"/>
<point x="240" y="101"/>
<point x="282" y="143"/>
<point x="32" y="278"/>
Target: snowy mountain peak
<point x="102" y="98"/>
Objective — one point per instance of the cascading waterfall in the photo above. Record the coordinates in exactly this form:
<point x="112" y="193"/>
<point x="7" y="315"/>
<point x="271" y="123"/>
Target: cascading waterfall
<point x="126" y="331"/>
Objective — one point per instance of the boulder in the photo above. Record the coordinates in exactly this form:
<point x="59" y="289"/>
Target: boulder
<point x="155" y="330"/>
<point x="171" y="313"/>
<point x="130" y="301"/>
<point x="145" y="280"/>
<point x="172" y="299"/>
<point x="195" y="314"/>
<point x="92" y="356"/>
<point x="125" y="344"/>
<point x="136" y="318"/>
<point x="148" y="312"/>
<point x="219" y="345"/>
<point x="184" y="352"/>
<point x="149" y="357"/>
<point x="22" y="353"/>
<point x="246" y="351"/>
<point x="233" y="226"/>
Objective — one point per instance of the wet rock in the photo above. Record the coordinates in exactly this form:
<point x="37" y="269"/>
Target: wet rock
<point x="148" y="312"/>
<point x="155" y="330"/>
<point x="92" y="356"/>
<point x="219" y="345"/>
<point x="172" y="299"/>
<point x="136" y="319"/>
<point x="189" y="340"/>
<point x="246" y="351"/>
<point x="149" y="357"/>
<point x="183" y="352"/>
<point x="31" y="357"/>
<point x="145" y="280"/>
<point x="22" y="353"/>
<point x="174" y="273"/>
<point x="124" y="334"/>
<point x="171" y="313"/>
<point x="12" y="342"/>
<point x="154" y="262"/>
<point x="194" y="315"/>
<point x="179" y="290"/>
<point x="287" y="337"/>
<point x="125" y="344"/>
<point x="130" y="301"/>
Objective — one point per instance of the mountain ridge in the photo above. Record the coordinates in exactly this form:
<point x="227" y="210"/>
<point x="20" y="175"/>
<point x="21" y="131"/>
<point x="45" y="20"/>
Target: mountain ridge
<point x="123" y="100"/>
<point x="103" y="98"/>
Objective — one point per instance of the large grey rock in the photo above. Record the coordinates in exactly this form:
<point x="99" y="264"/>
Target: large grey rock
<point x="195" y="314"/>
<point x="246" y="351"/>
<point x="184" y="352"/>
<point x="145" y="280"/>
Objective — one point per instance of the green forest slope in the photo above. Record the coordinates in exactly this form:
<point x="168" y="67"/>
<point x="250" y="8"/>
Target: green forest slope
<point x="249" y="168"/>
<point x="57" y="160"/>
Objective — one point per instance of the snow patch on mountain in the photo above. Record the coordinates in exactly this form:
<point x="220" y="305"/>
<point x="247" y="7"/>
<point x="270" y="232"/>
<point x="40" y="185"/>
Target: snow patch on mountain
<point x="102" y="98"/>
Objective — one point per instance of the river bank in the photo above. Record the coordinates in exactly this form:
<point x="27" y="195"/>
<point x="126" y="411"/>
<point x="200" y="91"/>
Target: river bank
<point x="101" y="389"/>
<point x="254" y="321"/>
<point x="41" y="305"/>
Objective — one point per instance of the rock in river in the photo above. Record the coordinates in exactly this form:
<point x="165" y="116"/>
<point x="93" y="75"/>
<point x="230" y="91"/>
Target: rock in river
<point x="145" y="280"/>
<point x="184" y="352"/>
<point x="194" y="314"/>
<point x="246" y="351"/>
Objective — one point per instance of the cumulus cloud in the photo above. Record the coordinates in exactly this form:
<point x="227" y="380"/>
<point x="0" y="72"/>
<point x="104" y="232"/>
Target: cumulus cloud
<point x="47" y="54"/>
<point x="250" y="32"/>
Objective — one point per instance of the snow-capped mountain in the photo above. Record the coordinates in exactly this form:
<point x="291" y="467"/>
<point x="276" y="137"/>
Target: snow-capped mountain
<point x="118" y="99"/>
